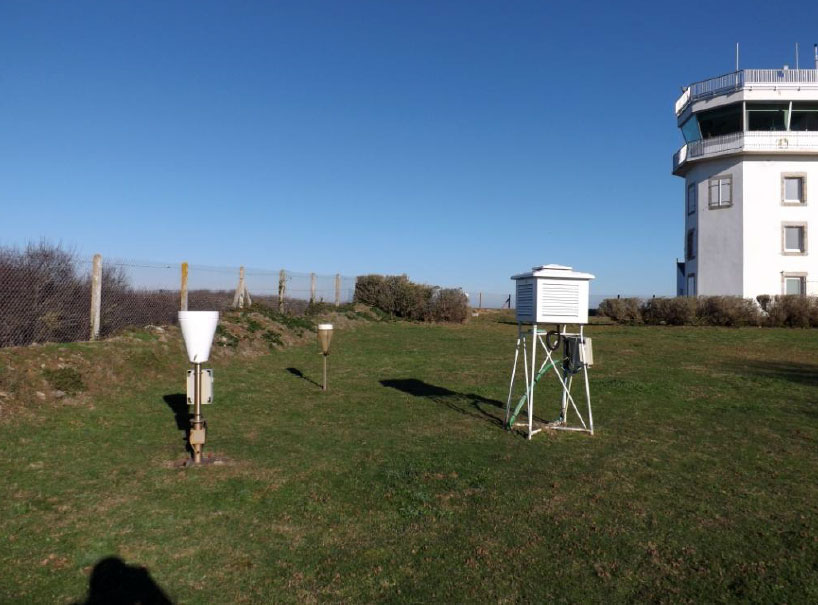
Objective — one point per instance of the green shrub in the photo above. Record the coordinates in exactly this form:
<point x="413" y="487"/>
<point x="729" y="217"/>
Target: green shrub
<point x="399" y="297"/>
<point x="622" y="310"/>
<point x="792" y="311"/>
<point x="728" y="311"/>
<point x="449" y="304"/>
<point x="678" y="311"/>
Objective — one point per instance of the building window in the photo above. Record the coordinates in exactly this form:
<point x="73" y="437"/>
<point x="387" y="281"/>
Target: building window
<point x="767" y="116"/>
<point x="794" y="189"/>
<point x="795" y="283"/>
<point x="691" y="284"/>
<point x="794" y="238"/>
<point x="804" y="116"/>
<point x="691" y="198"/>
<point x="690" y="245"/>
<point x="721" y="191"/>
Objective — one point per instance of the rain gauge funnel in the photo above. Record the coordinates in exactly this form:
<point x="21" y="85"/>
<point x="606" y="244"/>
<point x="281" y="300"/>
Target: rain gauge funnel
<point x="325" y="337"/>
<point x="198" y="329"/>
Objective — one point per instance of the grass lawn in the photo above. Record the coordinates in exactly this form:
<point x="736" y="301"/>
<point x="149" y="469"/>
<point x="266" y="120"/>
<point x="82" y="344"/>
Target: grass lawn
<point x="400" y="485"/>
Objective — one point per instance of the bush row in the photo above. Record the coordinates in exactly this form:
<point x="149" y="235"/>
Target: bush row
<point x="772" y="311"/>
<point x="396" y="295"/>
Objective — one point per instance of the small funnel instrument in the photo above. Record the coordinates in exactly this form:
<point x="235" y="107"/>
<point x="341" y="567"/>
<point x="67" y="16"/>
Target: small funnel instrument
<point x="198" y="329"/>
<point x="324" y="339"/>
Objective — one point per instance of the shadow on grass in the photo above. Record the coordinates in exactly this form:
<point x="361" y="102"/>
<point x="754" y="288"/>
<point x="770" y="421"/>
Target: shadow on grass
<point x="797" y="372"/>
<point x="177" y="402"/>
<point x="300" y="374"/>
<point x="476" y="406"/>
<point x="113" y="582"/>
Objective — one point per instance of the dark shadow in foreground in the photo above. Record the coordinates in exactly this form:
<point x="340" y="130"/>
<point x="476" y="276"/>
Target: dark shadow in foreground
<point x="791" y="371"/>
<point x="476" y="406"/>
<point x="177" y="402"/>
<point x="115" y="583"/>
<point x="300" y="374"/>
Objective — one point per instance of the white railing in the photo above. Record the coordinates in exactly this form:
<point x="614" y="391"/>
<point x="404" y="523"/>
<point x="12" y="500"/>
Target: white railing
<point x="774" y="76"/>
<point x="739" y="79"/>
<point x="773" y="142"/>
<point x="682" y="101"/>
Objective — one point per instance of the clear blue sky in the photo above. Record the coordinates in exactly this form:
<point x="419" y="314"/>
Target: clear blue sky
<point x="458" y="142"/>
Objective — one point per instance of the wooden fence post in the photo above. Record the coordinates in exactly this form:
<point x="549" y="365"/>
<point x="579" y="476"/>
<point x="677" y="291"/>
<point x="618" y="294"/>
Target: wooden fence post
<point x="337" y="289"/>
<point x="480" y="304"/>
<point x="242" y="295"/>
<point x="312" y="288"/>
<point x="183" y="289"/>
<point x="282" y="289"/>
<point x="96" y="296"/>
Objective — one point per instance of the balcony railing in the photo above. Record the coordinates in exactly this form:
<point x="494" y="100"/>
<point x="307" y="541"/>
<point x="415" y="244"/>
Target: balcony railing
<point x="743" y="78"/>
<point x="770" y="142"/>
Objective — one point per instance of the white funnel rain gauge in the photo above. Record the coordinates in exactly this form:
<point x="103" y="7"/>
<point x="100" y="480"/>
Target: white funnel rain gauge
<point x="324" y="339"/>
<point x="198" y="329"/>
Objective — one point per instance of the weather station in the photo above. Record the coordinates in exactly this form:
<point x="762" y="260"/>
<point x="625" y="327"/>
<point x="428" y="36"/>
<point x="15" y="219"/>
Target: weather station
<point x="556" y="295"/>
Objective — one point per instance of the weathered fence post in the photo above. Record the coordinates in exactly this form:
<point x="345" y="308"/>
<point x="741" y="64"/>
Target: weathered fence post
<point x="96" y="295"/>
<point x="337" y="289"/>
<point x="282" y="289"/>
<point x="242" y="295"/>
<point x="312" y="288"/>
<point x="480" y="304"/>
<point x="183" y="289"/>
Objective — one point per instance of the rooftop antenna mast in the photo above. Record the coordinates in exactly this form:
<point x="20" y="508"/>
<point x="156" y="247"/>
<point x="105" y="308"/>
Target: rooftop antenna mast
<point x="736" y="56"/>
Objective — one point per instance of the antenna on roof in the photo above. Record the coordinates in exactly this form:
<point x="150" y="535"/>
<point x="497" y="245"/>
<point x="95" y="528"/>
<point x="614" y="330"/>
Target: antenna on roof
<point x="736" y="56"/>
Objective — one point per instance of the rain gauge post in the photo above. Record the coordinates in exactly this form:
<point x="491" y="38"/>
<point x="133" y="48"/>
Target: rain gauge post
<point x="198" y="329"/>
<point x="557" y="295"/>
<point x="324" y="339"/>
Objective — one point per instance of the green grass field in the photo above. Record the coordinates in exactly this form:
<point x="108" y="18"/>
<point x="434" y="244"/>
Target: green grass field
<point x="400" y="485"/>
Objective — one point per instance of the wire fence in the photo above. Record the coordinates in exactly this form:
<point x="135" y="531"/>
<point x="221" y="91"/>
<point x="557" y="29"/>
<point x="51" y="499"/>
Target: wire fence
<point x="48" y="295"/>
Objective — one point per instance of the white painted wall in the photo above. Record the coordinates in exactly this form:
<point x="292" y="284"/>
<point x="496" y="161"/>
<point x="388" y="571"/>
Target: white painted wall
<point x="764" y="215"/>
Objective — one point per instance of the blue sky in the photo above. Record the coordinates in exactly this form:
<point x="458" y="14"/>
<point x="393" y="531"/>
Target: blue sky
<point x="458" y="142"/>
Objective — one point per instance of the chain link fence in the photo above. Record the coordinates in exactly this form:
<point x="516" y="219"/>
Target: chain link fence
<point x="49" y="295"/>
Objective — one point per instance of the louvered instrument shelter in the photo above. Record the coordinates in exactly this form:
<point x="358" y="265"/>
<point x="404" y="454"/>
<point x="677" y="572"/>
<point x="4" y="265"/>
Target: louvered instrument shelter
<point x="552" y="294"/>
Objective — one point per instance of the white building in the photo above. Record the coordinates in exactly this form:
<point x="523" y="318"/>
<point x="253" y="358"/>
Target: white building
<point x="750" y="165"/>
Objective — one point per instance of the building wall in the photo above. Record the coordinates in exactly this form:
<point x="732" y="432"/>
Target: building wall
<point x="718" y="265"/>
<point x="764" y="215"/>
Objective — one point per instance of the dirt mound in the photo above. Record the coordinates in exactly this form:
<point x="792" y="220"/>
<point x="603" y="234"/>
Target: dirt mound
<point x="34" y="377"/>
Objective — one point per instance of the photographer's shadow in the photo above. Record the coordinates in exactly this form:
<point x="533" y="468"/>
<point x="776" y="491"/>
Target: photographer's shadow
<point x="113" y="582"/>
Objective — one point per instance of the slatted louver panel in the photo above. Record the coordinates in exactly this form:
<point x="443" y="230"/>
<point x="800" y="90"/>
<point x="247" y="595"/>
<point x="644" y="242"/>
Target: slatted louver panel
<point x="558" y="299"/>
<point x="525" y="299"/>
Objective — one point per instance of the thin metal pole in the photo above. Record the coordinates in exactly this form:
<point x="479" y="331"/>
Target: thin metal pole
<point x="324" y="388"/>
<point x="587" y="387"/>
<point x="197" y="412"/>
<point x="566" y="389"/>
<point x="513" y="372"/>
<point x="533" y="374"/>
<point x="525" y="367"/>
